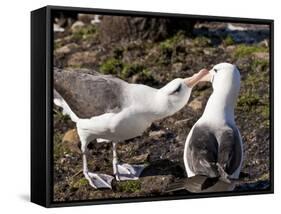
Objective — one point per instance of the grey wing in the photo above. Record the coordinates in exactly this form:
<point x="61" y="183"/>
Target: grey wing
<point x="87" y="94"/>
<point x="202" y="152"/>
<point x="230" y="151"/>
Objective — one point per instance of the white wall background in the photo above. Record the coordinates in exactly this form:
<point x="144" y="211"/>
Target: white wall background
<point x="15" y="107"/>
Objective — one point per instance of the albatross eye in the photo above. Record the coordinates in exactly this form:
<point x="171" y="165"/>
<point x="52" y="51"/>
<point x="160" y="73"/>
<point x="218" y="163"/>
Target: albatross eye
<point x="177" y="89"/>
<point x="215" y="70"/>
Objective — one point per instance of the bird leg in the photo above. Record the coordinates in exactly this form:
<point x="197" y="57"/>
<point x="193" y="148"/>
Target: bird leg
<point x="125" y="171"/>
<point x="95" y="180"/>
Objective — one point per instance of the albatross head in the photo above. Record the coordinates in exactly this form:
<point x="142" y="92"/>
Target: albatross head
<point x="225" y="77"/>
<point x="176" y="93"/>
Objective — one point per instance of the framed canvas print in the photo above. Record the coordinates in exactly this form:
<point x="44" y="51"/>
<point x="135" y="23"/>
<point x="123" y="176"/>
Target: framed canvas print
<point x="138" y="106"/>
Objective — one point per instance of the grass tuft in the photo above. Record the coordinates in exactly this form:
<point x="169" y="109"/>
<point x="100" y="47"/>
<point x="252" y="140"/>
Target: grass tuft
<point x="229" y="40"/>
<point x="111" y="66"/>
<point x="129" y="186"/>
<point x="243" y="50"/>
<point x="84" y="33"/>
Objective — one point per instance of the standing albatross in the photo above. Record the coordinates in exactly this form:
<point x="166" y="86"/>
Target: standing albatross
<point x="213" y="150"/>
<point x="103" y="106"/>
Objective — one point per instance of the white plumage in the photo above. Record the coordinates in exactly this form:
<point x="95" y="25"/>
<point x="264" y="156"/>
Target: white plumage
<point x="214" y="145"/>
<point x="109" y="108"/>
<point x="105" y="107"/>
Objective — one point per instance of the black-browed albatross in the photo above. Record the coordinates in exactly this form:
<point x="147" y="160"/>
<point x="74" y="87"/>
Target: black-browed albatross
<point x="105" y="107"/>
<point x="213" y="151"/>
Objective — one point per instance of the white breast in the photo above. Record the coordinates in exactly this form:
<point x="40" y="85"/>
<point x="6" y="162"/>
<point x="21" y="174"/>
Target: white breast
<point x="117" y="127"/>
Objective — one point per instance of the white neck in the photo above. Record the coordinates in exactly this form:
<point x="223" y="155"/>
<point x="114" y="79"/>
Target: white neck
<point x="161" y="107"/>
<point x="220" y="107"/>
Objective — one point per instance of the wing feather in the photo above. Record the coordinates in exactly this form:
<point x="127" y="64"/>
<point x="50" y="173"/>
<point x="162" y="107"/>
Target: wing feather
<point x="89" y="94"/>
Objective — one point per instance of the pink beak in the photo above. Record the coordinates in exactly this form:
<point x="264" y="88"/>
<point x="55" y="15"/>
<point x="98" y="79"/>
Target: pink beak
<point x="202" y="75"/>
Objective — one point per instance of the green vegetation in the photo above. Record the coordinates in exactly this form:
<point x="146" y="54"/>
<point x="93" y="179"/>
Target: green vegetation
<point x="261" y="65"/>
<point x="229" y="40"/>
<point x="254" y="79"/>
<point x="172" y="41"/>
<point x="84" y="32"/>
<point x="247" y="100"/>
<point x="264" y="176"/>
<point x="118" y="53"/>
<point x="254" y="96"/>
<point x="167" y="47"/>
<point x="201" y="41"/>
<point x="253" y="103"/>
<point x="265" y="111"/>
<point x="243" y="50"/>
<point x="131" y="69"/>
<point x="81" y="182"/>
<point x="78" y="65"/>
<point x="58" y="115"/>
<point x="57" y="45"/>
<point x="117" y="67"/>
<point x="111" y="66"/>
<point x="58" y="148"/>
<point x="129" y="186"/>
<point x="250" y="95"/>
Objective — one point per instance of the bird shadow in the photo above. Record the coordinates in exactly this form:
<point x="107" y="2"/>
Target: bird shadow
<point x="163" y="167"/>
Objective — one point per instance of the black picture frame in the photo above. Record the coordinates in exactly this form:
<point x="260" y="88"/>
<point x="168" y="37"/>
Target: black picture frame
<point x="42" y="104"/>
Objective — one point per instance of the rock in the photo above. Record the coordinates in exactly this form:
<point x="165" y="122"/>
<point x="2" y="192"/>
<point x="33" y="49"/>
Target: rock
<point x="262" y="55"/>
<point x="196" y="104"/>
<point x="96" y="20"/>
<point x="79" y="59"/>
<point x="182" y="122"/>
<point x="230" y="48"/>
<point x="117" y="28"/>
<point x="66" y="49"/>
<point x="155" y="184"/>
<point x="57" y="28"/>
<point x="139" y="159"/>
<point x="207" y="52"/>
<point x="64" y="19"/>
<point x="157" y="133"/>
<point x="177" y="67"/>
<point x="71" y="141"/>
<point x="77" y="25"/>
<point x="264" y="43"/>
<point x="136" y="78"/>
<point x="86" y="18"/>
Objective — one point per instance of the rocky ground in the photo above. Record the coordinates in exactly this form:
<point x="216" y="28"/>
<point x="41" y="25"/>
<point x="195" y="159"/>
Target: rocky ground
<point x="155" y="63"/>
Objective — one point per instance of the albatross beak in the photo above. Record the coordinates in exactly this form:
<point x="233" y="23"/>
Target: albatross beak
<point x="198" y="77"/>
<point x="208" y="78"/>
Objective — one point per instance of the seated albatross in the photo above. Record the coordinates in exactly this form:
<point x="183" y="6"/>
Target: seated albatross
<point x="103" y="106"/>
<point x="213" y="149"/>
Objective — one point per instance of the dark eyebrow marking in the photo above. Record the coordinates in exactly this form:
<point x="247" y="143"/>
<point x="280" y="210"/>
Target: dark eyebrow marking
<point x="177" y="90"/>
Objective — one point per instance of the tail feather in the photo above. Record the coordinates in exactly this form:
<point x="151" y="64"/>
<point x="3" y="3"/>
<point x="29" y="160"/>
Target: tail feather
<point x="176" y="186"/>
<point x="201" y="183"/>
<point x="221" y="186"/>
<point x="59" y="101"/>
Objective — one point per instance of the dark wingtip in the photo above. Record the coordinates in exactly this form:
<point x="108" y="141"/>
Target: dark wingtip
<point x="176" y="186"/>
<point x="192" y="184"/>
<point x="221" y="186"/>
<point x="200" y="184"/>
